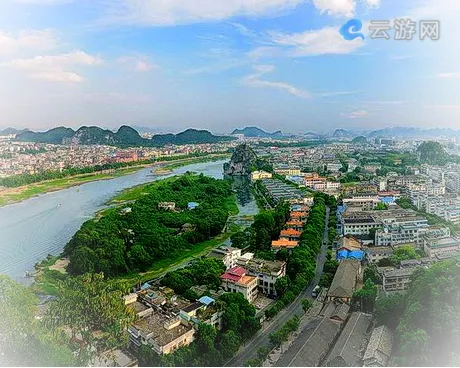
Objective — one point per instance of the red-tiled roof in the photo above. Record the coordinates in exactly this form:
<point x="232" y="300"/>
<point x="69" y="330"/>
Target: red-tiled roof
<point x="290" y="232"/>
<point x="234" y="274"/>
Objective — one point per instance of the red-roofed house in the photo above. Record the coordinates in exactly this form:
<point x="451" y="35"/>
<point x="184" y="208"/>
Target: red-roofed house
<point x="295" y="224"/>
<point x="300" y="215"/>
<point x="290" y="234"/>
<point x="284" y="244"/>
<point x="236" y="280"/>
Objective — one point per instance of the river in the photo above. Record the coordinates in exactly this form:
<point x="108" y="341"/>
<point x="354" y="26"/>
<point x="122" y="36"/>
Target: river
<point x="32" y="229"/>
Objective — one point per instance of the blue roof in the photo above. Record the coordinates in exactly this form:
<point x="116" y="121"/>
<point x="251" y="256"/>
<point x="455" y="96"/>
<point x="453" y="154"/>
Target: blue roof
<point x="145" y="286"/>
<point x="192" y="204"/>
<point x="206" y="300"/>
<point x="354" y="254"/>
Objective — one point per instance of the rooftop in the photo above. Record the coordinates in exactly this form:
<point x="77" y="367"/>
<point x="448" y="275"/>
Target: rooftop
<point x="344" y="282"/>
<point x="153" y="328"/>
<point x="349" y="348"/>
<point x="380" y="345"/>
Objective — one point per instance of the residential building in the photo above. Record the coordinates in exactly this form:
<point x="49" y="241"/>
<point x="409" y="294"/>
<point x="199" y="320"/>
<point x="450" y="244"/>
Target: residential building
<point x="375" y="254"/>
<point x="361" y="225"/>
<point x="345" y="281"/>
<point x="288" y="171"/>
<point x="167" y="206"/>
<point x="228" y="255"/>
<point x="267" y="272"/>
<point x="115" y="358"/>
<point x="237" y="280"/>
<point x="257" y="175"/>
<point x="378" y="351"/>
<point x="289" y="245"/>
<point x="163" y="332"/>
<point x="295" y="224"/>
<point x="362" y="203"/>
<point x="443" y="246"/>
<point x="290" y="234"/>
<point x="397" y="280"/>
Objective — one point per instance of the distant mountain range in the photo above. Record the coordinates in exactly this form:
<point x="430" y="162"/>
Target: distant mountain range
<point x="125" y="136"/>
<point x="9" y="131"/>
<point x="397" y="132"/>
<point x="254" y="132"/>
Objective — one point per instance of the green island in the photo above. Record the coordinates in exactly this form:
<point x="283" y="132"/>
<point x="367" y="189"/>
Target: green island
<point x="152" y="228"/>
<point x="22" y="187"/>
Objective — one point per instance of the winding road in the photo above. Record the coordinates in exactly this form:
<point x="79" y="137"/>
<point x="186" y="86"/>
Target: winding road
<point x="261" y="338"/>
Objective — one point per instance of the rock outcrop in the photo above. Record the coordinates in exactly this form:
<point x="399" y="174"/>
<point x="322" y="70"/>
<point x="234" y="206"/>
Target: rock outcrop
<point x="241" y="162"/>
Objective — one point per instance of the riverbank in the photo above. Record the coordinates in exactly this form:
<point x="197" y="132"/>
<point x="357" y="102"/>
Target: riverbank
<point x="19" y="194"/>
<point x="49" y="272"/>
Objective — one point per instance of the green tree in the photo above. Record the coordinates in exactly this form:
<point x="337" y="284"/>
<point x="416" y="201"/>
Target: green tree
<point x="281" y="285"/>
<point x="307" y="304"/>
<point x="371" y="272"/>
<point x="228" y="343"/>
<point x="24" y="340"/>
<point x="365" y="298"/>
<point x="404" y="253"/>
<point x="87" y="304"/>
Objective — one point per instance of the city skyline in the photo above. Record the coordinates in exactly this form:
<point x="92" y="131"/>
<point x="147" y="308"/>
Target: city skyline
<point x="183" y="64"/>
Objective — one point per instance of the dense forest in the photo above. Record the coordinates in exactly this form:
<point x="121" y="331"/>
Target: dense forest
<point x="426" y="318"/>
<point x="121" y="242"/>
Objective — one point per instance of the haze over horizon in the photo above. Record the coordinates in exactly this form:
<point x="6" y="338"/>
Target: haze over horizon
<point x="220" y="65"/>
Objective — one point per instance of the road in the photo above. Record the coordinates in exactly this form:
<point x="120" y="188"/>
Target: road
<point x="261" y="339"/>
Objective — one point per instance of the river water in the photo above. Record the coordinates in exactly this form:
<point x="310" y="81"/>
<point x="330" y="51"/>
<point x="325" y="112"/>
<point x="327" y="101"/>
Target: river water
<point x="32" y="229"/>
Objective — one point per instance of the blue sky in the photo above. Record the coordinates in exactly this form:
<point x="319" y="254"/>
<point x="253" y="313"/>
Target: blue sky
<point x="221" y="64"/>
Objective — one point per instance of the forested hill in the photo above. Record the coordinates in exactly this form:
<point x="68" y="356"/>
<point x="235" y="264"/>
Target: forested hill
<point x="124" y="137"/>
<point x="122" y="242"/>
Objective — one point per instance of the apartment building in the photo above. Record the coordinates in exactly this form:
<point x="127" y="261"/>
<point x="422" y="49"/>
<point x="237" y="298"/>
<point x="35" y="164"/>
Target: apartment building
<point x="267" y="272"/>
<point x="441" y="246"/>
<point x="397" y="280"/>
<point x="238" y="280"/>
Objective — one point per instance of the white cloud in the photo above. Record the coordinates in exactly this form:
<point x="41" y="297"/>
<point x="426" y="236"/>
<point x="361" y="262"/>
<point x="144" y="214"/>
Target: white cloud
<point x="55" y="68"/>
<point x="42" y="2"/>
<point x="27" y="40"/>
<point x="254" y="80"/>
<point x="342" y="8"/>
<point x="173" y="12"/>
<point x="315" y="42"/>
<point x="358" y="114"/>
<point x="140" y="64"/>
<point x="452" y="75"/>
<point x="383" y="102"/>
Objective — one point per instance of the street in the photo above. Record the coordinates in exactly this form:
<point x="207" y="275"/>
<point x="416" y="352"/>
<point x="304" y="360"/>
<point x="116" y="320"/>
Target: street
<point x="261" y="339"/>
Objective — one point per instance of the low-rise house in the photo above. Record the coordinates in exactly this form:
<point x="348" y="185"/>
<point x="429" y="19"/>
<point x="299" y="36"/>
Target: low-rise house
<point x="237" y="280"/>
<point x="228" y="255"/>
<point x="288" y="171"/>
<point x="345" y="281"/>
<point x="267" y="272"/>
<point x="299" y="215"/>
<point x="379" y="349"/>
<point x="192" y="205"/>
<point x="167" y="206"/>
<point x="289" y="245"/>
<point x="295" y="224"/>
<point x="349" y="349"/>
<point x="257" y="175"/>
<point x="290" y="234"/>
<point x="375" y="254"/>
<point x="397" y="280"/>
<point x="164" y="333"/>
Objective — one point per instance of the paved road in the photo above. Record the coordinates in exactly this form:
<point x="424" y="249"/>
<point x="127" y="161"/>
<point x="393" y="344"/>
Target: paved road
<point x="261" y="339"/>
